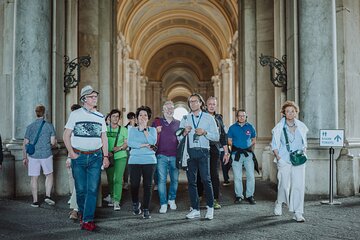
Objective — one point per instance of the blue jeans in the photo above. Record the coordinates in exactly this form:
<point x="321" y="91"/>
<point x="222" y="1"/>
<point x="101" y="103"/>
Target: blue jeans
<point x="165" y="165"/>
<point x="238" y="173"/>
<point x="86" y="171"/>
<point x="199" y="161"/>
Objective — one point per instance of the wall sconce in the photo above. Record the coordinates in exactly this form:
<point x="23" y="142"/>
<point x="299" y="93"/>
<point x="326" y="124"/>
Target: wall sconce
<point x="278" y="75"/>
<point x="71" y="78"/>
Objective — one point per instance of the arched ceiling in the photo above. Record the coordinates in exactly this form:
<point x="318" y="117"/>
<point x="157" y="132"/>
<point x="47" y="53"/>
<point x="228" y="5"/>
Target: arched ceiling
<point x="179" y="56"/>
<point x="150" y="25"/>
<point x="178" y="42"/>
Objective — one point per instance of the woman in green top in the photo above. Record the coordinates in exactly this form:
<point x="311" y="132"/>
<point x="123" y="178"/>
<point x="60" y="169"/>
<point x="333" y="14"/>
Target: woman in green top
<point x="117" y="142"/>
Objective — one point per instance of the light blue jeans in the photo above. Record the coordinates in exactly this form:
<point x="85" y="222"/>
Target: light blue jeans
<point x="250" y="176"/>
<point x="86" y="171"/>
<point x="165" y="165"/>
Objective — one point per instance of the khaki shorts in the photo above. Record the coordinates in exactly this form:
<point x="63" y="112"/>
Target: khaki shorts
<point x="35" y="164"/>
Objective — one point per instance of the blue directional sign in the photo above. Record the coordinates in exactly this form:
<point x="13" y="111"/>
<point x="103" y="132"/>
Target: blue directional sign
<point x="332" y="137"/>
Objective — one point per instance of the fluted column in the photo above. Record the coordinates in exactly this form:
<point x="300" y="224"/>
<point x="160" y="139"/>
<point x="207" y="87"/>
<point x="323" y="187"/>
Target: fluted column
<point x="32" y="63"/>
<point x="226" y="68"/>
<point x="133" y="74"/>
<point x="143" y="84"/>
<point x="318" y="66"/>
<point x="7" y="11"/>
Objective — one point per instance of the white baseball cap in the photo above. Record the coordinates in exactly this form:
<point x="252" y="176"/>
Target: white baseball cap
<point x="87" y="90"/>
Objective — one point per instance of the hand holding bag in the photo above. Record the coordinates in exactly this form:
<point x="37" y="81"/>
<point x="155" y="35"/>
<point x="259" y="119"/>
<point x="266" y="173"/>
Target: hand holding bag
<point x="296" y="157"/>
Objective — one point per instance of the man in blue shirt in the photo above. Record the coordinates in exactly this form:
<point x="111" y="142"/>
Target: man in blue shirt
<point x="241" y="139"/>
<point x="42" y="158"/>
<point x="200" y="128"/>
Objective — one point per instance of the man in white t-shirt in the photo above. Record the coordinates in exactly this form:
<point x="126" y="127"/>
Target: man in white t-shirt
<point x="86" y="141"/>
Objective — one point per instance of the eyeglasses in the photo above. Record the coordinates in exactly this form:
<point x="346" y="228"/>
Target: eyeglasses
<point x="93" y="97"/>
<point x="241" y="115"/>
<point x="194" y="101"/>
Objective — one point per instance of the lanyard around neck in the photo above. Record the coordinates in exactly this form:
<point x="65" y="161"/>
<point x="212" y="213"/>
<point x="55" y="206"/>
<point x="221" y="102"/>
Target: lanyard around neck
<point x="196" y="125"/>
<point x="92" y="112"/>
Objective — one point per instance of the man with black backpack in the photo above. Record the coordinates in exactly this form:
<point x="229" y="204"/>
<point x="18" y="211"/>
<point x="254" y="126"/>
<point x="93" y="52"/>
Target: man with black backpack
<point x="37" y="154"/>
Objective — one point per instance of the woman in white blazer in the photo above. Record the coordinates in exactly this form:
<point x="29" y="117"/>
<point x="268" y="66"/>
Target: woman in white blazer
<point x="291" y="179"/>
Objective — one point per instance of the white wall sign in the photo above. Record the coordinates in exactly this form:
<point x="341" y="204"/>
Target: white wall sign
<point x="332" y="137"/>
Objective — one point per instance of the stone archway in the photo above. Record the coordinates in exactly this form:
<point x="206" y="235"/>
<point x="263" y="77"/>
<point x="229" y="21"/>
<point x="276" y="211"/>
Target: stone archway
<point x="178" y="45"/>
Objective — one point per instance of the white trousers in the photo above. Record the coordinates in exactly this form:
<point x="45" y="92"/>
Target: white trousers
<point x="291" y="186"/>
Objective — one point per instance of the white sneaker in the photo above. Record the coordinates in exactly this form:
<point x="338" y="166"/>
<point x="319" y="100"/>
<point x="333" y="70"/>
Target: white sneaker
<point x="163" y="208"/>
<point x="278" y="209"/>
<point x="172" y="204"/>
<point x="193" y="214"/>
<point x="108" y="198"/>
<point x="116" y="206"/>
<point x="111" y="203"/>
<point x="299" y="217"/>
<point x="210" y="213"/>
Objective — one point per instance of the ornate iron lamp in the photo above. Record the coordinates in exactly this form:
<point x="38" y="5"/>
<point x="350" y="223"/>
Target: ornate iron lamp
<point x="278" y="75"/>
<point x="71" y="78"/>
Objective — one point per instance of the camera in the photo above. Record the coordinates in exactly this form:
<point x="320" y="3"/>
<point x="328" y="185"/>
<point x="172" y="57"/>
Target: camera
<point x="196" y="138"/>
<point x="153" y="147"/>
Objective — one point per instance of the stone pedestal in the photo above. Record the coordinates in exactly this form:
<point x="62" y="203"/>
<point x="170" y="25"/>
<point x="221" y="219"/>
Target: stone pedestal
<point x="347" y="174"/>
<point x="61" y="176"/>
<point x="7" y="176"/>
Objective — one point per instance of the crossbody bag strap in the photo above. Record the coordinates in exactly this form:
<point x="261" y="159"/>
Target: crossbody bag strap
<point x="286" y="139"/>
<point x="117" y="136"/>
<point x="38" y="133"/>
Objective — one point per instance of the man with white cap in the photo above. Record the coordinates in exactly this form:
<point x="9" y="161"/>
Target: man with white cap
<point x="87" y="144"/>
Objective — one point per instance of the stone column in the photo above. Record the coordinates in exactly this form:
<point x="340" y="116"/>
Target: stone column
<point x="216" y="85"/>
<point x="157" y="89"/>
<point x="133" y="72"/>
<point x="143" y="84"/>
<point x="105" y="58"/>
<point x="6" y="67"/>
<point x="71" y="43"/>
<point x="32" y="62"/>
<point x="318" y="66"/>
<point x="248" y="38"/>
<point x="124" y="80"/>
<point x="226" y="68"/>
<point x="89" y="43"/>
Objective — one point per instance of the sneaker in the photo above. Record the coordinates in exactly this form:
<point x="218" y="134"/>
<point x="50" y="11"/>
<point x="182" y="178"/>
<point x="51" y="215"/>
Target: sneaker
<point x="155" y="187"/>
<point x="193" y="214"/>
<point x="209" y="213"/>
<point x="49" y="201"/>
<point x="251" y="200"/>
<point x="172" y="204"/>
<point x="116" y="206"/>
<point x="146" y="214"/>
<point x="226" y="183"/>
<point x="163" y="208"/>
<point x="73" y="215"/>
<point x="35" y="204"/>
<point x="216" y="204"/>
<point x="136" y="208"/>
<point x="126" y="186"/>
<point x="238" y="200"/>
<point x="88" y="226"/>
<point x="111" y="203"/>
<point x="278" y="209"/>
<point x="107" y="198"/>
<point x="298" y="217"/>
